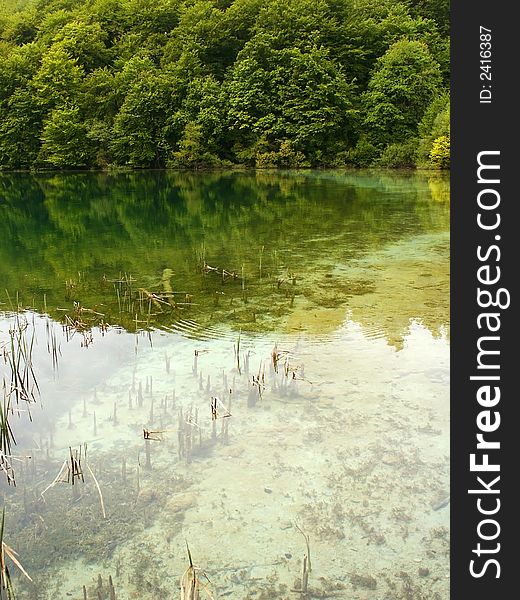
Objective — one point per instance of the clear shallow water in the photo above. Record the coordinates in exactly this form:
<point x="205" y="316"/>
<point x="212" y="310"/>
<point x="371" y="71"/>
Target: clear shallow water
<point x="345" y="274"/>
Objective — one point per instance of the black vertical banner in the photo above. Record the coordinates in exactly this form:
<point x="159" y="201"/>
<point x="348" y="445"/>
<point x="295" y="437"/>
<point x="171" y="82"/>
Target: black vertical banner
<point x="485" y="434"/>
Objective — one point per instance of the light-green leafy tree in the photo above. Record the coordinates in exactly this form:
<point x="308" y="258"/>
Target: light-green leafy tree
<point x="64" y="139"/>
<point x="284" y="83"/>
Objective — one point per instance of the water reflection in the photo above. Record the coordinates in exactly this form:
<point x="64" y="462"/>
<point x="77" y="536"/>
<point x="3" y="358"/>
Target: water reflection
<point x="297" y="242"/>
<point x="329" y="351"/>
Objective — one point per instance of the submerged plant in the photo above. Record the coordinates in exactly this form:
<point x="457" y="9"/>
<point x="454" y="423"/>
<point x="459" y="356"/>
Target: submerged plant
<point x="236" y="348"/>
<point x="6" y="441"/>
<point x="53" y="347"/>
<point x="20" y="387"/>
<point x="191" y="585"/>
<point x="218" y="409"/>
<point x="6" y="585"/>
<point x="307" y="544"/>
<point x="18" y="356"/>
<point x="72" y="470"/>
<point x="306" y="566"/>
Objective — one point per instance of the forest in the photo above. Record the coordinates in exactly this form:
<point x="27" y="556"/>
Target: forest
<point x="107" y="84"/>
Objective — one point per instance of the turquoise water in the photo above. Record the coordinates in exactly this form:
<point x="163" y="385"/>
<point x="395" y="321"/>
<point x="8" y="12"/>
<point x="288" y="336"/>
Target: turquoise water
<point x="313" y="306"/>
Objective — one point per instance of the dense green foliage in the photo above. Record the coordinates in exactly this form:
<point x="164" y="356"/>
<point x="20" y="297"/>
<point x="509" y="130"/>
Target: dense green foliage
<point x="199" y="83"/>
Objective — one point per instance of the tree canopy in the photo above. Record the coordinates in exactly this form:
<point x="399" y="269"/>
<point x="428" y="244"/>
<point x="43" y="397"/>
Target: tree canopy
<point x="201" y="83"/>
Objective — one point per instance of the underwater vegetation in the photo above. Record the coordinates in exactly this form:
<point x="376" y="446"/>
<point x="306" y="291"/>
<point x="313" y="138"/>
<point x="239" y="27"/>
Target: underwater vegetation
<point x="254" y="405"/>
<point x="153" y="474"/>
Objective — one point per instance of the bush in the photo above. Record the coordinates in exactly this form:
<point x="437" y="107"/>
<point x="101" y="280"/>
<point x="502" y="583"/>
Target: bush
<point x="362" y="155"/>
<point x="399" y="156"/>
<point x="434" y="124"/>
<point x="440" y="152"/>
<point x="286" y="156"/>
<point x="192" y="152"/>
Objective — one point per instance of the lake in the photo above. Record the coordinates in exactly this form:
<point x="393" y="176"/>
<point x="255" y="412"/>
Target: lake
<point x="251" y="365"/>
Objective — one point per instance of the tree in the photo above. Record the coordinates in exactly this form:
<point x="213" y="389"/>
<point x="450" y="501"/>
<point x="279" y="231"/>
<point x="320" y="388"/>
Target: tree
<point x="153" y="16"/>
<point x="17" y="69"/>
<point x="288" y="94"/>
<point x="438" y="10"/>
<point x="20" y="116"/>
<point x="373" y="26"/>
<point x="58" y="81"/>
<point x="434" y="125"/>
<point x="192" y="150"/>
<point x="20" y="126"/>
<point x="20" y="27"/>
<point x="280" y="83"/>
<point x="203" y="32"/>
<point x="138" y="133"/>
<point x="402" y="85"/>
<point x="295" y="23"/>
<point x="85" y="43"/>
<point x="202" y="115"/>
<point x="64" y="139"/>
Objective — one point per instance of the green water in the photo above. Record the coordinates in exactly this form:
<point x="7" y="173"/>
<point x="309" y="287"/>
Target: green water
<point x="160" y="291"/>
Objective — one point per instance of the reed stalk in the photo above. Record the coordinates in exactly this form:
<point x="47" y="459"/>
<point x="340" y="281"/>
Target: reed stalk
<point x="6" y="585"/>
